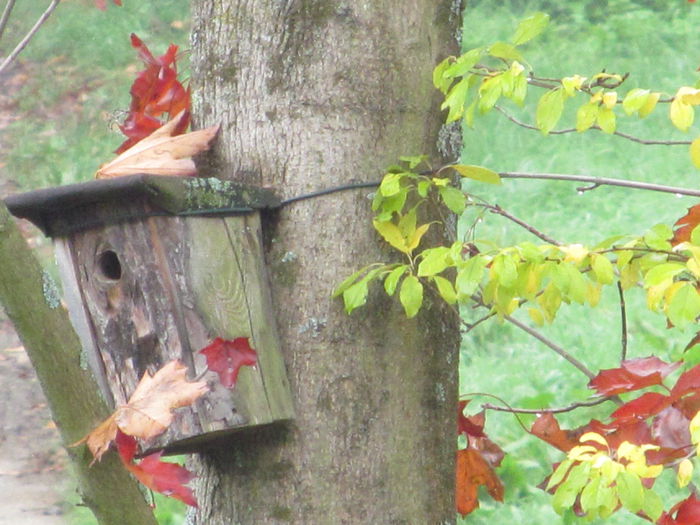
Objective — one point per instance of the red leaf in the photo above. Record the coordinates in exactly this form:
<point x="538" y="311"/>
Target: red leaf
<point x="687" y="512"/>
<point x="632" y="375"/>
<point x="547" y="428"/>
<point x="686" y="225"/>
<point x="470" y="425"/>
<point x="155" y="91"/>
<point x="227" y="357"/>
<point x="671" y="429"/>
<point x="160" y="476"/>
<point x="472" y="471"/>
<point x="645" y="406"/>
<point x="689" y="381"/>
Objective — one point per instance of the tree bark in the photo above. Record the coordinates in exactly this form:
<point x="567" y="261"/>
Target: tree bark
<point x="313" y="94"/>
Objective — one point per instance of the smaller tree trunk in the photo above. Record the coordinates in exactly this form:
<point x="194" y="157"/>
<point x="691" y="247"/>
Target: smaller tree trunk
<point x="33" y="304"/>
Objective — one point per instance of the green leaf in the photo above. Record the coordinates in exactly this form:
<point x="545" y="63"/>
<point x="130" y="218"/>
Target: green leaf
<point x="440" y="80"/>
<point x="477" y="173"/>
<point x="348" y="281"/>
<point x="653" y="505"/>
<point x="455" y="100"/>
<point x="413" y="160"/>
<point x="434" y="261"/>
<point x="630" y="491"/>
<point x="505" y="51"/>
<point x="659" y="237"/>
<point x="566" y="492"/>
<point x="355" y="296"/>
<point x="464" y="63"/>
<point x="606" y="120"/>
<point x="662" y="272"/>
<point x="392" y="280"/>
<point x="586" y="116"/>
<point x="684" y="306"/>
<point x="602" y="269"/>
<point x="529" y="28"/>
<point x="558" y="475"/>
<point x="454" y="199"/>
<point x="549" y="110"/>
<point x="489" y="92"/>
<point x="414" y="241"/>
<point x="391" y="184"/>
<point x="423" y="187"/>
<point x="504" y="270"/>
<point x="411" y="295"/>
<point x="635" y="100"/>
<point x="470" y="275"/>
<point x="590" y="496"/>
<point x="519" y="89"/>
<point x="447" y="291"/>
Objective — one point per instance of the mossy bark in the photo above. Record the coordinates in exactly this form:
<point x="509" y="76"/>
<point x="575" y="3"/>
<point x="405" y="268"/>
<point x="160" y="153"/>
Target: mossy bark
<point x="312" y="94"/>
<point x="32" y="303"/>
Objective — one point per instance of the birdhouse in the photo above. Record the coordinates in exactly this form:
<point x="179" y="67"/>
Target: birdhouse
<point x="153" y="268"/>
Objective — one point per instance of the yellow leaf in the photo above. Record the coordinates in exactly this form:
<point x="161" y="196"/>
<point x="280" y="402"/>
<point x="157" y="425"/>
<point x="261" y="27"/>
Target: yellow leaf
<point x="695" y="152"/>
<point x="536" y="316"/>
<point x="417" y="236"/>
<point x="571" y="84"/>
<point x="610" y="99"/>
<point x="161" y="153"/>
<point x="391" y="234"/>
<point x="606" y="120"/>
<point x="635" y="100"/>
<point x="595" y="437"/>
<point x="685" y="472"/>
<point x="649" y="105"/>
<point x="574" y="253"/>
<point x="681" y="113"/>
<point x="688" y="95"/>
<point x="586" y="116"/>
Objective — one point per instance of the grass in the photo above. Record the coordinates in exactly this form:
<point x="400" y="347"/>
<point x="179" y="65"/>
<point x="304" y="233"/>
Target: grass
<point x="628" y="36"/>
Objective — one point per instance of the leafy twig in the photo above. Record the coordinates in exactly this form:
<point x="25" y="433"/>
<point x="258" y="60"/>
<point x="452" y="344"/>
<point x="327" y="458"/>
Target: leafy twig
<point x="557" y="349"/>
<point x="602" y="181"/>
<point x="30" y="34"/>
<point x="6" y="15"/>
<point x="559" y="410"/>
<point x="632" y="138"/>
<point x="623" y="319"/>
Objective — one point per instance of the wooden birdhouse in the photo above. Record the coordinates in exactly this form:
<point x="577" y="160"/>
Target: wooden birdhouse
<point x="154" y="268"/>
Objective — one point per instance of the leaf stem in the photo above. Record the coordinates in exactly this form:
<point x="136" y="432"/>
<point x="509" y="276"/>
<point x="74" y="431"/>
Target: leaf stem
<point x="559" y="410"/>
<point x="6" y="15"/>
<point x="500" y="211"/>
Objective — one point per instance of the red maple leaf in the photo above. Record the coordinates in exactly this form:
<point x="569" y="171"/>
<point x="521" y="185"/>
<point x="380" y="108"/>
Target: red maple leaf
<point x="155" y="91"/>
<point x="102" y="4"/>
<point x="226" y="358"/>
<point x="687" y="513"/>
<point x="632" y="375"/>
<point x="643" y="407"/>
<point x="470" y="426"/>
<point x="167" y="478"/>
<point x="547" y="428"/>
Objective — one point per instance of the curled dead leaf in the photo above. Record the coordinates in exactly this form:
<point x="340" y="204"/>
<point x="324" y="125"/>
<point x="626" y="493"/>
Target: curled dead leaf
<point x="162" y="152"/>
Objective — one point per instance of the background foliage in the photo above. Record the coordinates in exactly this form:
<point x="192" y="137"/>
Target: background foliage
<point x="654" y="41"/>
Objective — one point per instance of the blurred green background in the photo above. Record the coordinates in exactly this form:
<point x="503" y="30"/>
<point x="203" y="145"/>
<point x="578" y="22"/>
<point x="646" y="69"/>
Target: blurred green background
<point x="70" y="89"/>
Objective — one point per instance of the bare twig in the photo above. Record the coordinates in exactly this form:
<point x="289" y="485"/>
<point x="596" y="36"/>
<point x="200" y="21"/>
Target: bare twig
<point x="6" y="15"/>
<point x="559" y="410"/>
<point x="602" y="181"/>
<point x="623" y="319"/>
<point x="500" y="211"/>
<point x="558" y="349"/>
<point x="30" y="34"/>
<point x="632" y="138"/>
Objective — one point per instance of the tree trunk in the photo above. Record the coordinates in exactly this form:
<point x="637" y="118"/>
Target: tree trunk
<point x="313" y="94"/>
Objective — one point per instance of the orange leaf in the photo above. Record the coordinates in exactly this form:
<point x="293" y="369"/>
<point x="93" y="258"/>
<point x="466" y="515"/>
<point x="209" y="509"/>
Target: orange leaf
<point x="686" y="224"/>
<point x="547" y="429"/>
<point x="163" y="152"/>
<point x="149" y="410"/>
<point x="473" y="470"/>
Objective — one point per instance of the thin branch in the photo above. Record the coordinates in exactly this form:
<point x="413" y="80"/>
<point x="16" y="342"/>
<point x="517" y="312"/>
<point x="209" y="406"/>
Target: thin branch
<point x="623" y="319"/>
<point x="558" y="349"/>
<point x="559" y="410"/>
<point x="602" y="181"/>
<point x="632" y="138"/>
<point x="500" y="211"/>
<point x="30" y="34"/>
<point x="6" y="15"/>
